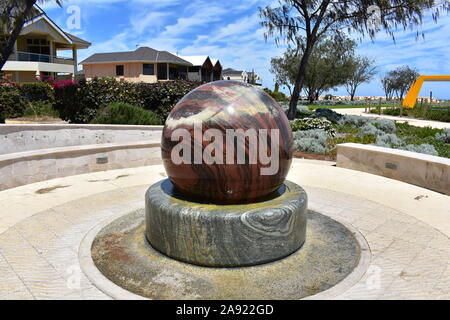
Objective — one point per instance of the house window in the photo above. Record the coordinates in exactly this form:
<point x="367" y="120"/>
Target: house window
<point x="119" y="70"/>
<point x="149" y="69"/>
<point x="39" y="46"/>
<point x="162" y="71"/>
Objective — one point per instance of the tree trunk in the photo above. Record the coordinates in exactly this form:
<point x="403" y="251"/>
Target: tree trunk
<point x="8" y="49"/>
<point x="299" y="82"/>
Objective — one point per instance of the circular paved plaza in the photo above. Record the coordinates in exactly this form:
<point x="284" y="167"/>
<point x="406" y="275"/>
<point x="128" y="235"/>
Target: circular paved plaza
<point x="44" y="225"/>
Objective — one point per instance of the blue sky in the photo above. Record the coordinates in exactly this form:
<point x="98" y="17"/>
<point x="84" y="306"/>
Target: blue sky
<point x="230" y="31"/>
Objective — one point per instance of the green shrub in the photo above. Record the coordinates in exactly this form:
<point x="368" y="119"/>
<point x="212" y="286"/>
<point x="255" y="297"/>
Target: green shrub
<point x="40" y="109"/>
<point x="425" y="111"/>
<point x="387" y="126"/>
<point x="354" y="121"/>
<point x="443" y="136"/>
<point x="69" y="102"/>
<point x="124" y="113"/>
<point x="392" y="141"/>
<point x="2" y="118"/>
<point x="38" y="91"/>
<point x="79" y="102"/>
<point x="405" y="129"/>
<point x="442" y="148"/>
<point x="12" y="104"/>
<point x="421" y="148"/>
<point x="302" y="111"/>
<point x="314" y="141"/>
<point x="389" y="140"/>
<point x="161" y="97"/>
<point x="276" y="95"/>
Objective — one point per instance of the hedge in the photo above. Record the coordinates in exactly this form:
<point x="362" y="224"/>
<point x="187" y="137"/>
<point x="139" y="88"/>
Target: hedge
<point x="80" y="102"/>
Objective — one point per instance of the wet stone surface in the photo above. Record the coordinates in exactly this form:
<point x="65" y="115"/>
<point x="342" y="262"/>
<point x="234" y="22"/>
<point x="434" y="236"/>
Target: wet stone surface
<point x="121" y="252"/>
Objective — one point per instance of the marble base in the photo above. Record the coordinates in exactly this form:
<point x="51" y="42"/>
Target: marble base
<point x="225" y="235"/>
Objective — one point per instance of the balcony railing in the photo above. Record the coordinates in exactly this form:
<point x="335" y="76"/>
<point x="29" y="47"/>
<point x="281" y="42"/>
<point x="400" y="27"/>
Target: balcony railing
<point x="36" y="57"/>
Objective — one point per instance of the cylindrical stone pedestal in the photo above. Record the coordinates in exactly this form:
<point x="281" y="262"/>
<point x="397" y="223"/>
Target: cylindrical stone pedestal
<point x="225" y="235"/>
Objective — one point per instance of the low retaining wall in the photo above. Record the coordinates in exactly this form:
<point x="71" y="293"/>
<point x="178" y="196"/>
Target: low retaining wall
<point x="22" y="168"/>
<point x="420" y="169"/>
<point x="25" y="137"/>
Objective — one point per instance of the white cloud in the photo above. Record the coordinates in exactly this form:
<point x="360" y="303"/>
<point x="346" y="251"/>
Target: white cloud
<point x="148" y="20"/>
<point x="230" y="31"/>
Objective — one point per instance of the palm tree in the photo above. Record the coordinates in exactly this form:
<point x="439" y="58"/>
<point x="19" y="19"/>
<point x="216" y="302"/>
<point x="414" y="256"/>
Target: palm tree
<point x="13" y="15"/>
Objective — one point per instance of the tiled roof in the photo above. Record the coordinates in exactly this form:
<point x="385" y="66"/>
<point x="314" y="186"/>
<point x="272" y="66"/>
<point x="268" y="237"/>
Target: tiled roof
<point x="231" y="72"/>
<point x="144" y="54"/>
<point x="77" y="40"/>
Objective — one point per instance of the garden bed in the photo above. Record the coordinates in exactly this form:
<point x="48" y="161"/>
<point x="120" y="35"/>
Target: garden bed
<point x="317" y="138"/>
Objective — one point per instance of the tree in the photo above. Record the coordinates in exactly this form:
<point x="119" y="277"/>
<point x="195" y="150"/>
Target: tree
<point x="13" y="15"/>
<point x="331" y="64"/>
<point x="404" y="77"/>
<point x="284" y="68"/>
<point x="311" y="19"/>
<point x="398" y="81"/>
<point x="363" y="71"/>
<point x="387" y="83"/>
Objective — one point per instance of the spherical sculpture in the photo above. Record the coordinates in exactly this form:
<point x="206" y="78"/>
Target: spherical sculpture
<point x="227" y="142"/>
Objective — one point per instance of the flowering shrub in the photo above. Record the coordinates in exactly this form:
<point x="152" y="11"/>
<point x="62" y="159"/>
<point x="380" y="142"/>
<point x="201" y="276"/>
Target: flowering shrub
<point x="313" y="123"/>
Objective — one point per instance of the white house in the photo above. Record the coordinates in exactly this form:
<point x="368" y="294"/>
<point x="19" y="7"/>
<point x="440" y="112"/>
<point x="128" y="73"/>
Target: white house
<point x="36" y="51"/>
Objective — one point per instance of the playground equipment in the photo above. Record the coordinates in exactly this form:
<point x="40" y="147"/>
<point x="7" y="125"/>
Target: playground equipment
<point x="413" y="92"/>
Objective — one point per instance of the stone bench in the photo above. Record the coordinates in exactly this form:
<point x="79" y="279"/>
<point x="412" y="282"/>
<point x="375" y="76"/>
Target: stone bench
<point x="26" y="137"/>
<point x="26" y="167"/>
<point x="420" y="169"/>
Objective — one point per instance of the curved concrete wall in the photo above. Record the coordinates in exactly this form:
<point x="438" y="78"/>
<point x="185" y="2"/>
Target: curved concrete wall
<point x="25" y="137"/>
<point x="32" y="153"/>
<point x="420" y="169"/>
<point x="22" y="168"/>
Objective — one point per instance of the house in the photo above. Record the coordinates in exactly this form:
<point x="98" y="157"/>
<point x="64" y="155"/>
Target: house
<point x="253" y="77"/>
<point x="217" y="69"/>
<point x="238" y="75"/>
<point x="36" y="51"/>
<point x="149" y="65"/>
<point x="142" y="65"/>
<point x="203" y="68"/>
<point x="231" y="74"/>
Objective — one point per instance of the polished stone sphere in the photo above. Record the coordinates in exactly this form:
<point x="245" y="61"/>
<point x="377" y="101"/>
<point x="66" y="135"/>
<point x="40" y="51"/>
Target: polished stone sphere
<point x="227" y="142"/>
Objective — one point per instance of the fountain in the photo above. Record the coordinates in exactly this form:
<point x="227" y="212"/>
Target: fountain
<point x="225" y="224"/>
<point x="220" y="205"/>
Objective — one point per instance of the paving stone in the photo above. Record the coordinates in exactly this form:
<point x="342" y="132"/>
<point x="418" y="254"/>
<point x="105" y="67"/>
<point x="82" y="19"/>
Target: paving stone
<point x="39" y="249"/>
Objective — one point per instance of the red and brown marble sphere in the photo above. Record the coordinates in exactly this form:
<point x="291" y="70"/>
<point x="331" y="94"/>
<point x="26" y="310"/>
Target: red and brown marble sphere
<point x="227" y="142"/>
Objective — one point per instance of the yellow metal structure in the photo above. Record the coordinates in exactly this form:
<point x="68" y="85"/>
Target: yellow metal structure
<point x="413" y="92"/>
